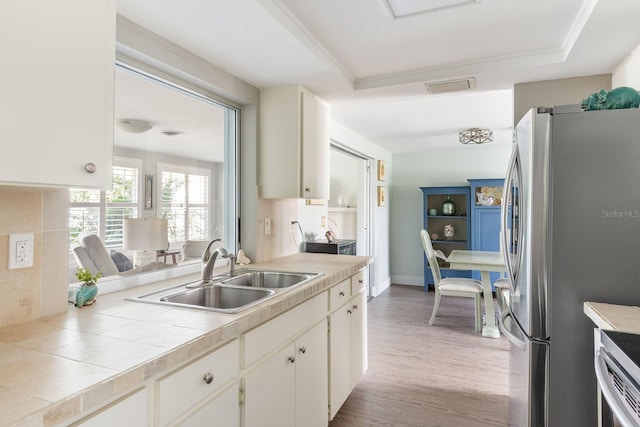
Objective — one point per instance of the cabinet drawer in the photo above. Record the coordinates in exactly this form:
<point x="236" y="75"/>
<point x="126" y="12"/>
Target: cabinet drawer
<point x="188" y="386"/>
<point x="339" y="294"/>
<point x="132" y="408"/>
<point x="358" y="282"/>
<point x="267" y="337"/>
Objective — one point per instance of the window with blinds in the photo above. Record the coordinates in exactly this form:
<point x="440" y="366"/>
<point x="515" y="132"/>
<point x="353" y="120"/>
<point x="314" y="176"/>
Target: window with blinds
<point x="103" y="212"/>
<point x="185" y="201"/>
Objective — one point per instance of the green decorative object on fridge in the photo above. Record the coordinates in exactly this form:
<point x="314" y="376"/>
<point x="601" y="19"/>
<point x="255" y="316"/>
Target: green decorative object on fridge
<point x="86" y="293"/>
<point x="618" y="98"/>
<point x="448" y="206"/>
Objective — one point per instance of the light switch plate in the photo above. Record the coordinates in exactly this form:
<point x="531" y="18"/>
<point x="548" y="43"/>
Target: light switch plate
<point x="267" y="226"/>
<point x="20" y="250"/>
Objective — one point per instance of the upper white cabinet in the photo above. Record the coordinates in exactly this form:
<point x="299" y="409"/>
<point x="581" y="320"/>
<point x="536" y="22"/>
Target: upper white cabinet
<point x="294" y="144"/>
<point x="57" y="85"/>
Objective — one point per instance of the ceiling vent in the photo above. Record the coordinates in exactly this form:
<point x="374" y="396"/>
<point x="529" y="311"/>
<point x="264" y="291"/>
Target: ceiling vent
<point x="451" y="85"/>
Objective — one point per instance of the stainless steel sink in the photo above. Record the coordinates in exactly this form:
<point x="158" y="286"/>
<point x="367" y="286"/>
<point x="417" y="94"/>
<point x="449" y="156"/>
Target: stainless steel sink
<point x="219" y="298"/>
<point x="267" y="279"/>
<point x="227" y="294"/>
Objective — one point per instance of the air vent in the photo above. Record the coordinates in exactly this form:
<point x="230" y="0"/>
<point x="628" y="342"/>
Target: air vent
<point x="451" y="85"/>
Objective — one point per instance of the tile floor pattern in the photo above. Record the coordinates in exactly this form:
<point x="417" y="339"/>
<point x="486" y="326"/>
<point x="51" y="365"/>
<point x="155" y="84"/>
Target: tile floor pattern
<point x="444" y="375"/>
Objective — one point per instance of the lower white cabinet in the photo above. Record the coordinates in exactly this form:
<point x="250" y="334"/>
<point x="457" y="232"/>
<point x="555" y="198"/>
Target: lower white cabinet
<point x="222" y="411"/>
<point x="182" y="391"/>
<point x="347" y="349"/>
<point x="131" y="410"/>
<point x="290" y="388"/>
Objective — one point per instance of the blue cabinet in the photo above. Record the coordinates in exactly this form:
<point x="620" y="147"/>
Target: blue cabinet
<point x="434" y="222"/>
<point x="485" y="217"/>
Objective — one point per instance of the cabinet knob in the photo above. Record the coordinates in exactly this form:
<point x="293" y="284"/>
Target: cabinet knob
<point x="341" y="293"/>
<point x="307" y="189"/>
<point x="303" y="349"/>
<point x="90" y="167"/>
<point x="348" y="311"/>
<point x="355" y="307"/>
<point x="292" y="359"/>
<point x="361" y="281"/>
<point x="208" y="378"/>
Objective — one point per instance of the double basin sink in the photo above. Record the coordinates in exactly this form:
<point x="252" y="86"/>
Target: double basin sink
<point x="227" y="294"/>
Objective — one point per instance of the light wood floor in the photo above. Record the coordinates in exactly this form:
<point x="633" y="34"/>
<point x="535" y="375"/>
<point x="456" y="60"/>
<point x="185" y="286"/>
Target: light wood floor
<point x="419" y="375"/>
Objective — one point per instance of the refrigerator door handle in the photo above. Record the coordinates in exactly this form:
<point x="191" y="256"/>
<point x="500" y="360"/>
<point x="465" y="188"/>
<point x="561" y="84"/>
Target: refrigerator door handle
<point x="608" y="390"/>
<point x="504" y="217"/>
<point x="522" y="345"/>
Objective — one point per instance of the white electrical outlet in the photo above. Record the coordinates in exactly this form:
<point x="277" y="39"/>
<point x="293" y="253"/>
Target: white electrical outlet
<point x="20" y="250"/>
<point x="267" y="226"/>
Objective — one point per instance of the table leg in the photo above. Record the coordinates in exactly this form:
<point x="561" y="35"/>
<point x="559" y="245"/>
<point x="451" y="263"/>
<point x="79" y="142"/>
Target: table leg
<point x="489" y="329"/>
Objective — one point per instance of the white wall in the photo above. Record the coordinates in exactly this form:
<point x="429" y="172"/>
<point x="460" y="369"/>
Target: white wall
<point x="628" y="74"/>
<point x="433" y="168"/>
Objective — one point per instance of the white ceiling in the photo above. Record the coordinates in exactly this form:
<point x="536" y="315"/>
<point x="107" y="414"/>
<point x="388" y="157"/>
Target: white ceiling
<point x="371" y="67"/>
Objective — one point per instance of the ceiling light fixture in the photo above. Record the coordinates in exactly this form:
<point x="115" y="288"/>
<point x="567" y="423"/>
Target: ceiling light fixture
<point x="475" y="135"/>
<point x="134" y="126"/>
<point x="171" y="132"/>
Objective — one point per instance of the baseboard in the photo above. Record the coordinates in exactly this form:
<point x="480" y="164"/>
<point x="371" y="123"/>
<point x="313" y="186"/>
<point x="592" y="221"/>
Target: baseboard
<point x="380" y="288"/>
<point x="408" y="280"/>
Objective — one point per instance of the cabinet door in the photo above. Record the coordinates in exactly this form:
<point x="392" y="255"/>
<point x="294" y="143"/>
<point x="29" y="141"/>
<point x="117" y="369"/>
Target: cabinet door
<point x="57" y="85"/>
<point x="312" y="377"/>
<point x="340" y="357"/>
<point x="358" y="337"/>
<point x="486" y="234"/>
<point x="222" y="411"/>
<point x="315" y="147"/>
<point x="270" y="391"/>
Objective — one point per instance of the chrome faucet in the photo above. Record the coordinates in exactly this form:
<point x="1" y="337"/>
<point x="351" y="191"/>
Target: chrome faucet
<point x="209" y="260"/>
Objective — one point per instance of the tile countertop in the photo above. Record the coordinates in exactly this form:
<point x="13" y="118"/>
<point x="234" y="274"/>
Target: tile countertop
<point x="623" y="318"/>
<point x="55" y="368"/>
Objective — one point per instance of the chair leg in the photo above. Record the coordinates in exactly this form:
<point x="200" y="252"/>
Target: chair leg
<point x="478" y="313"/>
<point x="436" y="304"/>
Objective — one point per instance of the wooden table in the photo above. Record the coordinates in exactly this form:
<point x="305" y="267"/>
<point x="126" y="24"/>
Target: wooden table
<point x="485" y="262"/>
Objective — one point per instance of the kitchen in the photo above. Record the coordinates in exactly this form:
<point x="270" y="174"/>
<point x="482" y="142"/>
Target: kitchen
<point x="395" y="246"/>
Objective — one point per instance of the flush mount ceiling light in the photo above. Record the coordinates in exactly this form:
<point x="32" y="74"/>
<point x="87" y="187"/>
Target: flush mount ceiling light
<point x="171" y="132"/>
<point x="476" y="136"/>
<point x="409" y="7"/>
<point x="134" y="126"/>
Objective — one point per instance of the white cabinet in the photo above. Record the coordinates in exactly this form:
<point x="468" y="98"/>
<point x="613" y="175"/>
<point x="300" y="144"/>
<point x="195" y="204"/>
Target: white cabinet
<point x="312" y="377"/>
<point x="221" y="411"/>
<point x="294" y="144"/>
<point x="347" y="344"/>
<point x="132" y="408"/>
<point x="57" y="85"/>
<point x="290" y="388"/>
<point x="197" y="386"/>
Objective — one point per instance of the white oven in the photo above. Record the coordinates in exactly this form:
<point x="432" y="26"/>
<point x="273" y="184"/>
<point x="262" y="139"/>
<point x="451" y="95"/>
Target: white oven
<point x="616" y="364"/>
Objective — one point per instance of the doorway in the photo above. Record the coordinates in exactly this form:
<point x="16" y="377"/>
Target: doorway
<point x="349" y="203"/>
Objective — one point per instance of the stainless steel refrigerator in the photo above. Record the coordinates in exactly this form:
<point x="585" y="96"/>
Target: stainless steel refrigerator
<point x="572" y="202"/>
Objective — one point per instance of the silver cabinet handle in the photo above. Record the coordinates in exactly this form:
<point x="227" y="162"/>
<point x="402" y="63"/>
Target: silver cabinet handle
<point x="90" y="167"/>
<point x="208" y="378"/>
<point x="303" y="349"/>
<point x="292" y="359"/>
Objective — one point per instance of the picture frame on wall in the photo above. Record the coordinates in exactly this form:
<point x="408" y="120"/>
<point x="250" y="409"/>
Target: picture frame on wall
<point x="382" y="195"/>
<point x="381" y="170"/>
